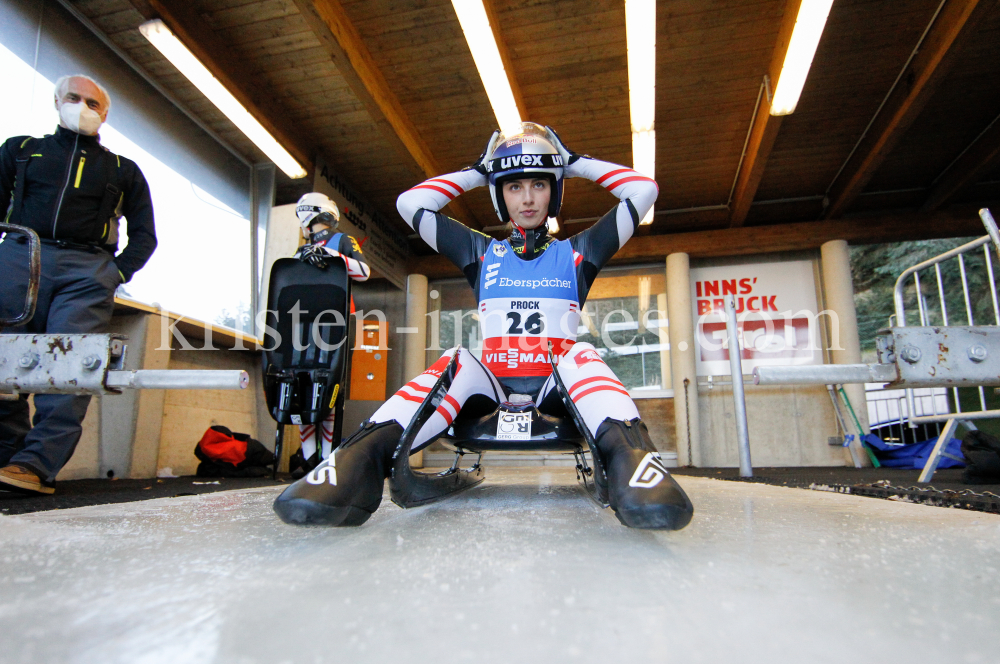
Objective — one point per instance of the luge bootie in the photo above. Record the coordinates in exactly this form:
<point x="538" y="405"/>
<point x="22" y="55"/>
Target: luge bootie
<point x="345" y="489"/>
<point x="640" y="489"/>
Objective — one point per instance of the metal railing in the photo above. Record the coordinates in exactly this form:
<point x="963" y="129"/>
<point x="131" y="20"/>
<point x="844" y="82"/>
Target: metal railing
<point x="926" y="313"/>
<point x="946" y="349"/>
<point x="81" y="363"/>
<point x="739" y="398"/>
<point x="888" y="413"/>
<point x="989" y="243"/>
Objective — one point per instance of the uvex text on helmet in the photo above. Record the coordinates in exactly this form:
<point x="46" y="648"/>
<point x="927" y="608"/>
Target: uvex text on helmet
<point x="525" y="154"/>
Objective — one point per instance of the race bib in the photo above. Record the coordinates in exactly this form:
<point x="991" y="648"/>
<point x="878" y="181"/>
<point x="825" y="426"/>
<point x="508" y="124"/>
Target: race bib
<point x="514" y="426"/>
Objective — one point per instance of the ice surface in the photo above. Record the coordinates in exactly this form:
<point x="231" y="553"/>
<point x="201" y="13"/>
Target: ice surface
<point x="523" y="568"/>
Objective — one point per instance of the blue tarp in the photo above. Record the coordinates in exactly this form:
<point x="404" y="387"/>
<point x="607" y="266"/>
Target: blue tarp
<point x="913" y="455"/>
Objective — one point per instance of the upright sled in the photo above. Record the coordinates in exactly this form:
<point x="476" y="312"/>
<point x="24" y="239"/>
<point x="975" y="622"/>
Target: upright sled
<point x="307" y="345"/>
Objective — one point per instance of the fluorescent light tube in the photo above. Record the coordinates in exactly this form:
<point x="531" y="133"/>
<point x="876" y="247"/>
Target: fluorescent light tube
<point x="808" y="29"/>
<point x="479" y="35"/>
<point x="640" y="38"/>
<point x="644" y="152"/>
<point x="160" y="36"/>
<point x="644" y="160"/>
<point x="640" y="41"/>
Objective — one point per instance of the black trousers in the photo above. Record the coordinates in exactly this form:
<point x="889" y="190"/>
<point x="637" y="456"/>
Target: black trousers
<point x="75" y="296"/>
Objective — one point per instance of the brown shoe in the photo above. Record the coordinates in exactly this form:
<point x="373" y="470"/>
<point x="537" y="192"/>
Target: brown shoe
<point x="20" y="478"/>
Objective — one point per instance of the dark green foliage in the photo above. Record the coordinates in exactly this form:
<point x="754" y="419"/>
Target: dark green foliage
<point x="875" y="268"/>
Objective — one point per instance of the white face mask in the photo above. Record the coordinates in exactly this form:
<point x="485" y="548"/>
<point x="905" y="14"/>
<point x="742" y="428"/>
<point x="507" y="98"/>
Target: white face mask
<point x="79" y="118"/>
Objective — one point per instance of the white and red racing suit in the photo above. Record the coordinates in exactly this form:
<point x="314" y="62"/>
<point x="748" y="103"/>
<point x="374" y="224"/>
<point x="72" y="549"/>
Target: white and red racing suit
<point x="343" y="246"/>
<point x="530" y="290"/>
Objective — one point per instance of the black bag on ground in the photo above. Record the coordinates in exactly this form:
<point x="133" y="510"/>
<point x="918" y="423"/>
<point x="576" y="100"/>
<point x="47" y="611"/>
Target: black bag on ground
<point x="226" y="454"/>
<point x="982" y="458"/>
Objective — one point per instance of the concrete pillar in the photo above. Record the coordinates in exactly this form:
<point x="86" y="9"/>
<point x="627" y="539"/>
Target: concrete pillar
<point x="838" y="297"/>
<point x="414" y="354"/>
<point x="666" y="381"/>
<point x="682" y="359"/>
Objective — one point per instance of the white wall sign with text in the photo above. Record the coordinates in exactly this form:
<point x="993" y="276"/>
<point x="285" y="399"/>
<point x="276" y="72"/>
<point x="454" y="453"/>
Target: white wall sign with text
<point x="776" y="312"/>
<point x="386" y="249"/>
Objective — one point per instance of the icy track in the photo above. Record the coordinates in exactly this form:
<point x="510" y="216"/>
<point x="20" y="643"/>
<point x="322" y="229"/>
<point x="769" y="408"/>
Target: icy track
<point x="523" y="568"/>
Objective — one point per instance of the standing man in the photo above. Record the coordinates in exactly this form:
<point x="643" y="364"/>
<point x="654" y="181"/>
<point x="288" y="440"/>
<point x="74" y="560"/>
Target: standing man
<point x="72" y="191"/>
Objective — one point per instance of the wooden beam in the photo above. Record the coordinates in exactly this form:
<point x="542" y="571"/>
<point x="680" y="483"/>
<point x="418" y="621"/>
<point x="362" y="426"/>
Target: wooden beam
<point x="951" y="30"/>
<point x="753" y="240"/>
<point x="342" y="41"/>
<point x="505" y="58"/>
<point x="974" y="161"/>
<point x="189" y="27"/>
<point x="762" y="137"/>
<point x="765" y="126"/>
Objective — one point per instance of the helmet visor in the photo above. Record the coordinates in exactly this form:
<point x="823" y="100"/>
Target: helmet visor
<point x="525" y="129"/>
<point x="529" y="150"/>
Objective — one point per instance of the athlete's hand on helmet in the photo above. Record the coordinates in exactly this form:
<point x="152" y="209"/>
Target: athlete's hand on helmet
<point x="480" y="165"/>
<point x="567" y="155"/>
<point x="314" y="255"/>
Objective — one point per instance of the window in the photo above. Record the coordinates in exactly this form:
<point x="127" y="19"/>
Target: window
<point x="201" y="192"/>
<point x="625" y="318"/>
<point x="201" y="267"/>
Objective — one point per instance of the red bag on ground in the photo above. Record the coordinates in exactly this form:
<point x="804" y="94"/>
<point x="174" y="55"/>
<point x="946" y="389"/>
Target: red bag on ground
<point x="226" y="454"/>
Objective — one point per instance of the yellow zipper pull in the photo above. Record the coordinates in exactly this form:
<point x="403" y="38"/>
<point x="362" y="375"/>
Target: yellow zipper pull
<point x="79" y="173"/>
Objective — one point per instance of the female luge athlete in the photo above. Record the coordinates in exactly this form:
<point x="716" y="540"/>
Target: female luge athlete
<point x="530" y="288"/>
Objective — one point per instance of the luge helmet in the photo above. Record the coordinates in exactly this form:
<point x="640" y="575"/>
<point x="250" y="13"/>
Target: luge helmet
<point x="315" y="207"/>
<point x="527" y="153"/>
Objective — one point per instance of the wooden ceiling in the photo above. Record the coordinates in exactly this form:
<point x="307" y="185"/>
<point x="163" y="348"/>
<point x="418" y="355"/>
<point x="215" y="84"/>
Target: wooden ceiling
<point x="889" y="141"/>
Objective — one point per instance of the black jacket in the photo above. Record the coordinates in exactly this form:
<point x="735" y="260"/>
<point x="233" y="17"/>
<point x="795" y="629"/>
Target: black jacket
<point x="64" y="185"/>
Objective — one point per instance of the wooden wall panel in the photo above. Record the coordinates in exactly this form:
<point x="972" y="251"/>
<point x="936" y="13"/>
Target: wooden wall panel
<point x="962" y="108"/>
<point x="714" y="65"/>
<point x="864" y="47"/>
<point x="569" y="60"/>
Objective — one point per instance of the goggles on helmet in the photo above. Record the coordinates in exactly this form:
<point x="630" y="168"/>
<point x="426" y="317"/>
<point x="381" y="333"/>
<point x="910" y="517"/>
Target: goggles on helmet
<point x="316" y="208"/>
<point x="526" y="153"/>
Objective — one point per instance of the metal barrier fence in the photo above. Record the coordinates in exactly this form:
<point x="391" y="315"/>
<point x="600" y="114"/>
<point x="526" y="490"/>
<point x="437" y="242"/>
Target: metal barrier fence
<point x="967" y="259"/>
<point x="888" y="413"/>
<point x="953" y="344"/>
